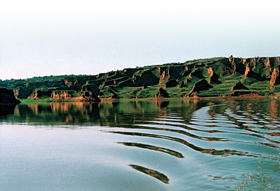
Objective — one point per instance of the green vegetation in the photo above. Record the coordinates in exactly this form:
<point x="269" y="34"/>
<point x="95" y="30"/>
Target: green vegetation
<point x="29" y="101"/>
<point x="217" y="76"/>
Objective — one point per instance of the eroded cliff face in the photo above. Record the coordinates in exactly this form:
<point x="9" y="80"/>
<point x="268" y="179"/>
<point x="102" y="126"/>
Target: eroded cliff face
<point x="213" y="77"/>
<point x="7" y="97"/>
<point x="275" y="78"/>
<point x="162" y="93"/>
<point x="85" y="96"/>
<point x="38" y="94"/>
<point x="60" y="95"/>
<point x="239" y="86"/>
<point x="201" y="86"/>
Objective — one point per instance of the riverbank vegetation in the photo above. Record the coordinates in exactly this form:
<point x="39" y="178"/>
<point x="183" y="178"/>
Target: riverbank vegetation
<point x="213" y="77"/>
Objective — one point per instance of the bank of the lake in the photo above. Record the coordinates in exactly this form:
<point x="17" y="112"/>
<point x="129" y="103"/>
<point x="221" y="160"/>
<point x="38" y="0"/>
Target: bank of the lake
<point x="209" y="77"/>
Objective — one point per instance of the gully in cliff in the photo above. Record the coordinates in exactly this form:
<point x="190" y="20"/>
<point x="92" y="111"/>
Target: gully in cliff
<point x="7" y="97"/>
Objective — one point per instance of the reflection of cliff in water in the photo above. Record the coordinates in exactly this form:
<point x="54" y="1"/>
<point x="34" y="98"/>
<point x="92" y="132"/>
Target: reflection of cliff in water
<point x="153" y="173"/>
<point x="53" y="113"/>
<point x="125" y="113"/>
<point x="6" y="110"/>
<point x="238" y="130"/>
<point x="104" y="114"/>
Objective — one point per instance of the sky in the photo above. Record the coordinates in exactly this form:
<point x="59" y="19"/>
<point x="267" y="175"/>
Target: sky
<point x="58" y="37"/>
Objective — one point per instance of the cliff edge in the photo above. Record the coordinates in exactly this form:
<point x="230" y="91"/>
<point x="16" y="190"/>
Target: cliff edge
<point x="7" y="97"/>
<point x="219" y="76"/>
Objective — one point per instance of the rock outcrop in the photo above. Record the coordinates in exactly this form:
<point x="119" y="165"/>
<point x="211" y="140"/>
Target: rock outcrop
<point x="214" y="78"/>
<point x="84" y="96"/>
<point x="275" y="78"/>
<point x="60" y="95"/>
<point x="202" y="85"/>
<point x="214" y="74"/>
<point x="88" y="96"/>
<point x="238" y="65"/>
<point x="147" y="77"/>
<point x="162" y="93"/>
<point x="7" y="97"/>
<point x="171" y="83"/>
<point x="239" y="86"/>
<point x="162" y="77"/>
<point x="38" y="94"/>
<point x="91" y="88"/>
<point x="247" y="71"/>
<point x="23" y="92"/>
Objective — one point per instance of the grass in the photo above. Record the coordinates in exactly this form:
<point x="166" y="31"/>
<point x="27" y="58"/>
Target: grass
<point x="148" y="92"/>
<point x="121" y="82"/>
<point x="31" y="101"/>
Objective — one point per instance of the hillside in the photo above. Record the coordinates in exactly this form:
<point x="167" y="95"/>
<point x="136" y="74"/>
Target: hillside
<point x="203" y="77"/>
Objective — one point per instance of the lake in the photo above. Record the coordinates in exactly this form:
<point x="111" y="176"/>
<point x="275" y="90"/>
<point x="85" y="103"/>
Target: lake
<point x="141" y="145"/>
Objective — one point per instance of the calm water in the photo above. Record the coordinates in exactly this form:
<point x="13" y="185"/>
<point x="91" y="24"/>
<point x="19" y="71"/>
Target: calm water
<point x="171" y="145"/>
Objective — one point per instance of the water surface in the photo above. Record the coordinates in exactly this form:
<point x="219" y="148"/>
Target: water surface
<point x="144" y="145"/>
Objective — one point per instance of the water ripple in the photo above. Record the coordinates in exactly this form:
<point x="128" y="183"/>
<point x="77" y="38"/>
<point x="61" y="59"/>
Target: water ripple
<point x="184" y="145"/>
<point x="216" y="130"/>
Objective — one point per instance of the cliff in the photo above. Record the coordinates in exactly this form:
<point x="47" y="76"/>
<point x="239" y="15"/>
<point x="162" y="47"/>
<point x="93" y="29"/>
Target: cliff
<point x="7" y="97"/>
<point x="203" y="77"/>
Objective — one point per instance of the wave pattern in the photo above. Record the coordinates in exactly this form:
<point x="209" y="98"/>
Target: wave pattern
<point x="201" y="145"/>
<point x="237" y="129"/>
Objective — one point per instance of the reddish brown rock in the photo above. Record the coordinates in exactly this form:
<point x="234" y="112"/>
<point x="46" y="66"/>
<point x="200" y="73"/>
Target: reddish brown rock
<point x="187" y="72"/>
<point x="238" y="65"/>
<point x="70" y="81"/>
<point x="39" y="94"/>
<point x="275" y="78"/>
<point x="89" y="96"/>
<point x="267" y="62"/>
<point x="162" y="77"/>
<point x="60" y="95"/>
<point x="213" y="76"/>
<point x="247" y="71"/>
<point x="244" y="61"/>
<point x="210" y="71"/>
<point x="253" y="62"/>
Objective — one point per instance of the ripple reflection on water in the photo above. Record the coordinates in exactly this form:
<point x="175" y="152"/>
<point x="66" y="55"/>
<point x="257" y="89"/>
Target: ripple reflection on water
<point x="220" y="130"/>
<point x="194" y="145"/>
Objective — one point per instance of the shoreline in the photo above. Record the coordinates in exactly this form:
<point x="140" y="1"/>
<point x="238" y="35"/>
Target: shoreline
<point x="196" y="98"/>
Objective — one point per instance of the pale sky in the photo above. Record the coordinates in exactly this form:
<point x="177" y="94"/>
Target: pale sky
<point x="57" y="37"/>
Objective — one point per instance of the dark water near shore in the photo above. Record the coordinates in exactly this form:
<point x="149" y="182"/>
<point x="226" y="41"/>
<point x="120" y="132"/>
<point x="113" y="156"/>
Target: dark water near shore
<point x="147" y="145"/>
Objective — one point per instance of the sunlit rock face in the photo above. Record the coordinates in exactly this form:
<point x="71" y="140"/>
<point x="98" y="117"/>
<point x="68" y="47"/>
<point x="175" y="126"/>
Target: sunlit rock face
<point x="219" y="76"/>
<point x="275" y="78"/>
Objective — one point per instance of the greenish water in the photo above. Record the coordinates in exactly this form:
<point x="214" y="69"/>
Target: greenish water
<point x="144" y="145"/>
